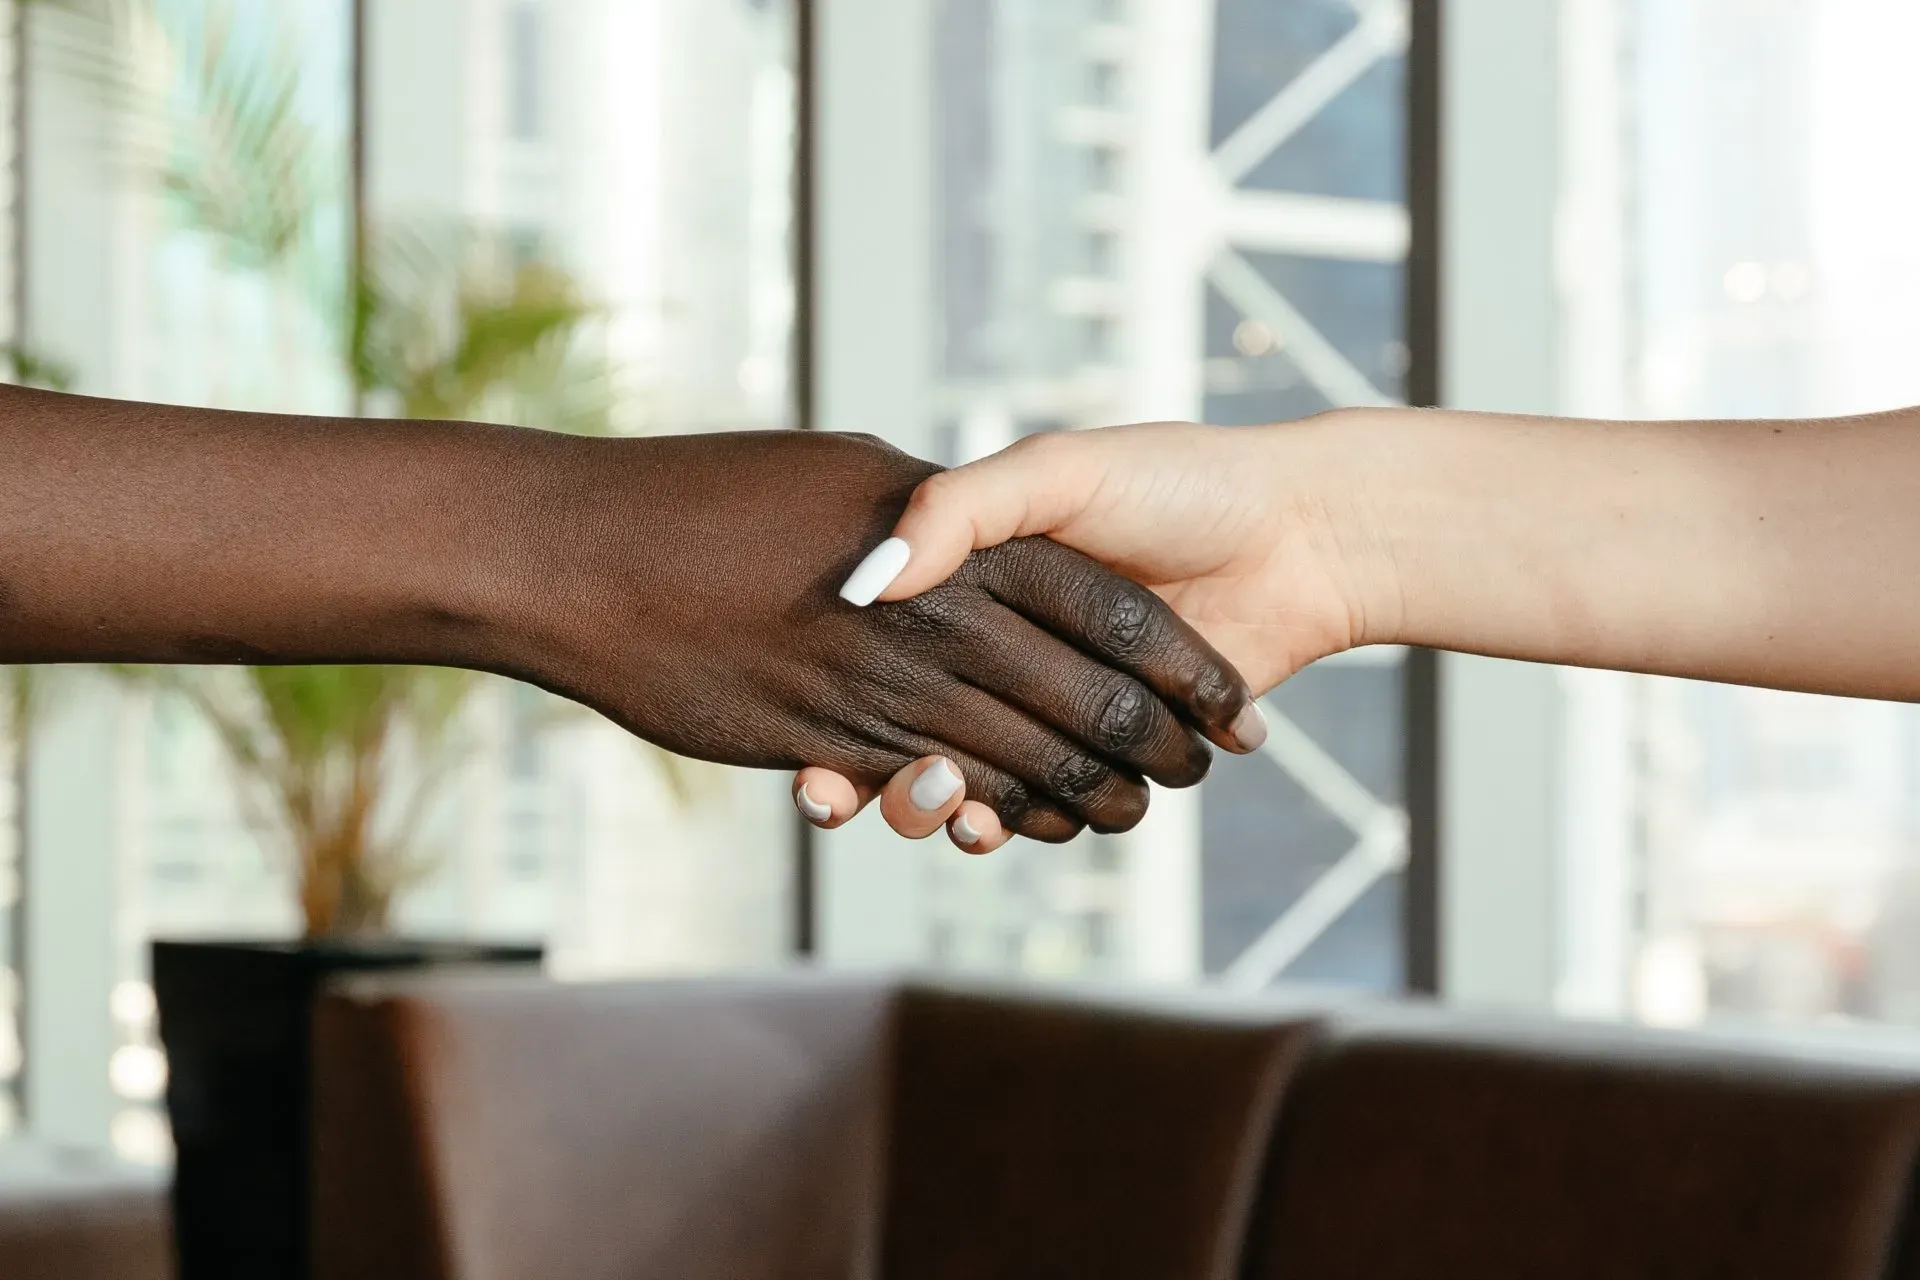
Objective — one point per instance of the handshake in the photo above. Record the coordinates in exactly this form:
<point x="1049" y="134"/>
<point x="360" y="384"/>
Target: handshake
<point x="1016" y="646"/>
<point x="1013" y="647"/>
<point x="719" y="599"/>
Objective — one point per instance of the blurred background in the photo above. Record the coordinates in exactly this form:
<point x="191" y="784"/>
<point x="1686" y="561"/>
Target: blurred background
<point x="954" y="223"/>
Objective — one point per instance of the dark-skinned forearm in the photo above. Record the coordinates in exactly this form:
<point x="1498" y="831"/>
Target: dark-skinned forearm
<point x="150" y="534"/>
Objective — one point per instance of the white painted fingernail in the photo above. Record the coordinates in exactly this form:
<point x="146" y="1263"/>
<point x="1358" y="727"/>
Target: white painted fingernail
<point x="934" y="787"/>
<point x="815" y="811"/>
<point x="1250" y="727"/>
<point x="963" y="830"/>
<point x="877" y="572"/>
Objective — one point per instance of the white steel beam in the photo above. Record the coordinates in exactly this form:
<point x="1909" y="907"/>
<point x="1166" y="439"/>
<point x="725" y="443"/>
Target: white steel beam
<point x="1314" y="226"/>
<point x="1381" y="33"/>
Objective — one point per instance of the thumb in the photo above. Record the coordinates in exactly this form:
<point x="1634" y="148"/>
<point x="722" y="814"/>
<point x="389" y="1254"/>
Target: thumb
<point x="1033" y="487"/>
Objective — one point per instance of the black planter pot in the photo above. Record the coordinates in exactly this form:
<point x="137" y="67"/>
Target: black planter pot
<point x="236" y="1023"/>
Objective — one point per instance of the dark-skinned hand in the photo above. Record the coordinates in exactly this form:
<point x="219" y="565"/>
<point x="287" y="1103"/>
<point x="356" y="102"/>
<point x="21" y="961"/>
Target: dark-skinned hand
<point x="684" y="586"/>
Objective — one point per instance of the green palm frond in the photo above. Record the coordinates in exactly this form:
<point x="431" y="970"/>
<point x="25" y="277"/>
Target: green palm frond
<point x="453" y="323"/>
<point x="114" y="48"/>
<point x="26" y="367"/>
<point x="17" y="691"/>
<point x="244" y="165"/>
<point x="346" y="760"/>
<point x="210" y="116"/>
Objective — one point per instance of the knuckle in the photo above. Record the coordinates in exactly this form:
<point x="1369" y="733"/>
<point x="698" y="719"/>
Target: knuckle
<point x="1124" y="618"/>
<point x="1012" y="803"/>
<point x="1126" y="715"/>
<point x="932" y="492"/>
<point x="1040" y="444"/>
<point x="1076" y="776"/>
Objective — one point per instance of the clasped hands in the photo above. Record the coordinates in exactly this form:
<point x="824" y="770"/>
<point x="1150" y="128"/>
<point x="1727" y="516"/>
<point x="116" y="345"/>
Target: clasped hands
<point x="1030" y="692"/>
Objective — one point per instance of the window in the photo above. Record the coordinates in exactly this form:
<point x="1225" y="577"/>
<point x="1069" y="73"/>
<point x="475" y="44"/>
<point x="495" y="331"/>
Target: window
<point x="1768" y="866"/>
<point x="659" y="182"/>
<point x="1082" y="275"/>
<point x="524" y="80"/>
<point x="1303" y="843"/>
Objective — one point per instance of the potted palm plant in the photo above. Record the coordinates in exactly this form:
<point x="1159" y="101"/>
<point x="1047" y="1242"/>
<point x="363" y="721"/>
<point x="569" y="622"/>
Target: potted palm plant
<point x="341" y="765"/>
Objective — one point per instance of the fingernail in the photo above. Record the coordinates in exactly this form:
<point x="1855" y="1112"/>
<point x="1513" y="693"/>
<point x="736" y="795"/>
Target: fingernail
<point x="1249" y="727"/>
<point x="963" y="830"/>
<point x="813" y="809"/>
<point x="877" y="572"/>
<point x="934" y="787"/>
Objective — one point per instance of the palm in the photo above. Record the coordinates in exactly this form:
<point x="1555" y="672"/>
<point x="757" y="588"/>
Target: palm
<point x="1269" y="623"/>
<point x="1243" y="570"/>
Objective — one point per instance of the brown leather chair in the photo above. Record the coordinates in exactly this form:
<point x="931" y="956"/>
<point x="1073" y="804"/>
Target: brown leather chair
<point x="806" y="1129"/>
<point x="79" y="1215"/>
<point x="1037" y="1136"/>
<point x="488" y="1129"/>
<point x="493" y="1130"/>
<point x="1419" y="1146"/>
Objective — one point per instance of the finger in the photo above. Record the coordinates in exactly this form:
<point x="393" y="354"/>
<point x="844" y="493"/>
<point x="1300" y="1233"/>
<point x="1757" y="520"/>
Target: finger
<point x="828" y="799"/>
<point x="890" y="748"/>
<point x="921" y="797"/>
<point x="976" y="829"/>
<point x="1018" y="807"/>
<point x="1129" y="628"/>
<point x="1028" y="488"/>
<point x="1054" y="767"/>
<point x="1106" y="711"/>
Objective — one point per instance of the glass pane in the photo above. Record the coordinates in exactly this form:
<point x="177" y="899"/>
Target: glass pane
<point x="1301" y="851"/>
<point x="643" y="152"/>
<point x="1354" y="101"/>
<point x="1044" y="153"/>
<point x="1771" y="855"/>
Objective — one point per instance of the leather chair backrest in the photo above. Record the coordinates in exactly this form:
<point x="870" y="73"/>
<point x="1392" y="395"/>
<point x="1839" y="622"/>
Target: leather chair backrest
<point x="79" y="1215"/>
<point x="1036" y="1138"/>
<point x="1431" y="1150"/>
<point x="794" y="1129"/>
<point x="501" y="1129"/>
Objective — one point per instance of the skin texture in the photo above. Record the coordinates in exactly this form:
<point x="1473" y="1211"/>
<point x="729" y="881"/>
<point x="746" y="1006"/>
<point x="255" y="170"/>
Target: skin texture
<point x="1781" y="554"/>
<point x="683" y="586"/>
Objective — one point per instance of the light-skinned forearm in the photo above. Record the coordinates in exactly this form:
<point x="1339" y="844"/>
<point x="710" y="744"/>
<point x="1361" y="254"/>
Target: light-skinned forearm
<point x="1780" y="553"/>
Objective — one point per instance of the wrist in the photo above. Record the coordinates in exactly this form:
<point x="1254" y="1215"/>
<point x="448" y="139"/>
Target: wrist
<point x="525" y="537"/>
<point x="1350" y="481"/>
<point x="1462" y="529"/>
